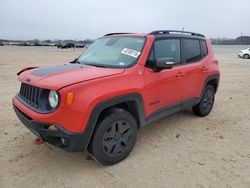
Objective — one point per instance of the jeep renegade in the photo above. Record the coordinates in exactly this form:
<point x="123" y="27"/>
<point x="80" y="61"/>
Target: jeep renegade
<point x="121" y="83"/>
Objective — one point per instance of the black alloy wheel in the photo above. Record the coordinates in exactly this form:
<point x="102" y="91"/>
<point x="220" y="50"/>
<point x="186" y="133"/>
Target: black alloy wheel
<point x="114" y="137"/>
<point x="204" y="107"/>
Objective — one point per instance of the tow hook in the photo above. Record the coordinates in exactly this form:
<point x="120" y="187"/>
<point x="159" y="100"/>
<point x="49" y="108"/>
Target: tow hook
<point x="38" y="141"/>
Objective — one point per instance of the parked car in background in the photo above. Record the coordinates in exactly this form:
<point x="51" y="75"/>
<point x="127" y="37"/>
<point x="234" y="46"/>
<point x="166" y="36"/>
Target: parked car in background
<point x="245" y="53"/>
<point x="24" y="44"/>
<point x="79" y="45"/>
<point x="66" y="45"/>
<point x="1" y="44"/>
<point x="43" y="44"/>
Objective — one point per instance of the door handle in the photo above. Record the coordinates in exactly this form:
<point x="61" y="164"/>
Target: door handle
<point x="204" y="69"/>
<point x="180" y="74"/>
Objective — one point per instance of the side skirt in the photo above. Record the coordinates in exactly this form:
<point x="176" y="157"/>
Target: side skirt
<point x="172" y="109"/>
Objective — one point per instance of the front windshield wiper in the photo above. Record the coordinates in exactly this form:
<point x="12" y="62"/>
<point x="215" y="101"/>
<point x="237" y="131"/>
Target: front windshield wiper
<point x="95" y="65"/>
<point x="75" y="61"/>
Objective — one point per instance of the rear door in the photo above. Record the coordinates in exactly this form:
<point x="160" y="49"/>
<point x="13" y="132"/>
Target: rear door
<point x="195" y="66"/>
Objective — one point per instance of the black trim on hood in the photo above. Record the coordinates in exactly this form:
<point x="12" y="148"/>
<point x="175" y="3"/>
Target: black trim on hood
<point x="56" y="69"/>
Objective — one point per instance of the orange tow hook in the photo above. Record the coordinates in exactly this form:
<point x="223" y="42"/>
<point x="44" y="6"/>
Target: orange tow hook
<point x="38" y="141"/>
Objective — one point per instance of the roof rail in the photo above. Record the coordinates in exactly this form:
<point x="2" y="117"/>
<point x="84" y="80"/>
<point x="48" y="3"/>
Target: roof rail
<point x="109" y="34"/>
<point x="167" y="32"/>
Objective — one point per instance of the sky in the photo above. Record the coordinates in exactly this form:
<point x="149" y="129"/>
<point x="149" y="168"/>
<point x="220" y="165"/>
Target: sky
<point x="82" y="19"/>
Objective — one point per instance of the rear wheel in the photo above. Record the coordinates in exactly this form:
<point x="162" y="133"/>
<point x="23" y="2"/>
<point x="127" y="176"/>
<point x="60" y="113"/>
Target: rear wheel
<point x="246" y="56"/>
<point x="204" y="107"/>
<point x="114" y="138"/>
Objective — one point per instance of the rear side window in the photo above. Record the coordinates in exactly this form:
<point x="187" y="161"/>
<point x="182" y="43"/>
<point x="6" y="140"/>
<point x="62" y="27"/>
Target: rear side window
<point x="192" y="50"/>
<point x="204" y="48"/>
<point x="169" y="48"/>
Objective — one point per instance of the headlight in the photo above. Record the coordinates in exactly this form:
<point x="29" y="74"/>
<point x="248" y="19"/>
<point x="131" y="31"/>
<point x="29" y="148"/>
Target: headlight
<point x="53" y="99"/>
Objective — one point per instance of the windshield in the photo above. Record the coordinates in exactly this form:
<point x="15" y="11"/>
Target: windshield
<point x="114" y="52"/>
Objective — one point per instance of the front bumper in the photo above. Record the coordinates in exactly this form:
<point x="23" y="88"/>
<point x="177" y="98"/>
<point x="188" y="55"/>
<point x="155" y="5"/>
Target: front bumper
<point x="240" y="54"/>
<point x="71" y="142"/>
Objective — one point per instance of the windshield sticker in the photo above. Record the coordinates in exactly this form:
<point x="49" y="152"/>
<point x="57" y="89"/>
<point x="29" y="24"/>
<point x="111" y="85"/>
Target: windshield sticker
<point x="130" y="52"/>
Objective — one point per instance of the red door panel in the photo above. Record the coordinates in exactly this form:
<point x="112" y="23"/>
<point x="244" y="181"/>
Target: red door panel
<point x="162" y="89"/>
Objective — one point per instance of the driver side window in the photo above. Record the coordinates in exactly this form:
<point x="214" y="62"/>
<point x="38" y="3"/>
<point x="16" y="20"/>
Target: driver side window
<point x="165" y="48"/>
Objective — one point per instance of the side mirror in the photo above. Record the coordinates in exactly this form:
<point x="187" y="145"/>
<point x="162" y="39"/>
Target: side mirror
<point x="164" y="63"/>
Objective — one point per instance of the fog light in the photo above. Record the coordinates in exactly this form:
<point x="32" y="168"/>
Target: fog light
<point x="52" y="128"/>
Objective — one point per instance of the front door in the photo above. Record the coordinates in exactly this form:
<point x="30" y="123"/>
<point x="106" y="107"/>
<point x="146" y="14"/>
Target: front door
<point x="163" y="88"/>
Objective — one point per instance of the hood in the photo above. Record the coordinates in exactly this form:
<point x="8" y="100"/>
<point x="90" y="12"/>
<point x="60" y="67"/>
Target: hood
<point x="245" y="51"/>
<point x="56" y="77"/>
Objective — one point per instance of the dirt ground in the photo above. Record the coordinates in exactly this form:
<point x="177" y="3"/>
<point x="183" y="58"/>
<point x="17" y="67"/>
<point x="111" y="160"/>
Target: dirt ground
<point x="178" y="151"/>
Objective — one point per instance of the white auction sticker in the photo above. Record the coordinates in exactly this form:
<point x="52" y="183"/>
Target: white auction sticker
<point x="130" y="52"/>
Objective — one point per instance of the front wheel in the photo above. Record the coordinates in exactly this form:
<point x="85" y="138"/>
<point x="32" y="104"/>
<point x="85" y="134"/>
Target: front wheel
<point x="204" y="107"/>
<point x="246" y="56"/>
<point x="114" y="137"/>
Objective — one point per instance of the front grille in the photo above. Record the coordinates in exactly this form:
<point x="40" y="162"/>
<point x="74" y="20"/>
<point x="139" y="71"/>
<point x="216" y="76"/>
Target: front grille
<point x="30" y="94"/>
<point x="35" y="98"/>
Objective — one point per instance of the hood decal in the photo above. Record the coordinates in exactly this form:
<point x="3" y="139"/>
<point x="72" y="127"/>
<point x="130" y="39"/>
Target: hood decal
<point x="56" y="69"/>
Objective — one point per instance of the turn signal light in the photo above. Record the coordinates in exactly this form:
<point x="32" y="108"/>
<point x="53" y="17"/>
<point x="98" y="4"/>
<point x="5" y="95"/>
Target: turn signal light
<point x="70" y="97"/>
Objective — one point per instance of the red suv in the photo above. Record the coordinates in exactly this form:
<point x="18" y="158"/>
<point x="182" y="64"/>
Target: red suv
<point x="121" y="83"/>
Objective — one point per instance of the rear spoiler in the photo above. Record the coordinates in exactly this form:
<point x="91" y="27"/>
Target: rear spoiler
<point x="25" y="69"/>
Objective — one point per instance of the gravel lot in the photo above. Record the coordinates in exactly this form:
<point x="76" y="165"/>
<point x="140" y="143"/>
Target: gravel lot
<point x="178" y="151"/>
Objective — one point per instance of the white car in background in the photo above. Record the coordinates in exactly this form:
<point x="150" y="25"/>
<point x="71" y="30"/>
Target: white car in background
<point x="245" y="53"/>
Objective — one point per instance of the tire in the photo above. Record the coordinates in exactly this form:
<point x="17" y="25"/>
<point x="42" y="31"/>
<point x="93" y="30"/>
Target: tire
<point x="114" y="137"/>
<point x="204" y="107"/>
<point x="246" y="56"/>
